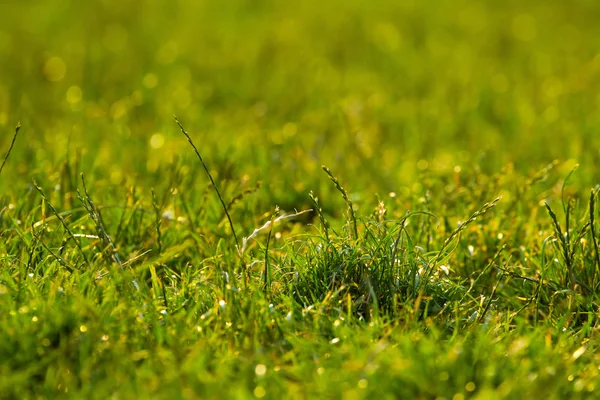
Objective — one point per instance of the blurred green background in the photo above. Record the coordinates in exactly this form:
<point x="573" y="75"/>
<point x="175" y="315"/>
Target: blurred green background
<point x="379" y="91"/>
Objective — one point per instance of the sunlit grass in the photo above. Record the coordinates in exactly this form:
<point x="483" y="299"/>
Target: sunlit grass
<point x="390" y="199"/>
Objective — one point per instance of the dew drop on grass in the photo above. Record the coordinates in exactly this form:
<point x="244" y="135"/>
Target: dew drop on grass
<point x="579" y="352"/>
<point x="168" y="215"/>
<point x="532" y="376"/>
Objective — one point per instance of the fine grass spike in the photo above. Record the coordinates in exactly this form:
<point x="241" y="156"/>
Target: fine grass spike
<point x="485" y="208"/>
<point x="62" y="221"/>
<point x="267" y="280"/>
<point x="157" y="221"/>
<point x="324" y="223"/>
<point x="243" y="194"/>
<point x="339" y="187"/>
<point x="564" y="185"/>
<point x="489" y="302"/>
<point x="12" y="144"/>
<point x="162" y="277"/>
<point x="96" y="217"/>
<point x="563" y="240"/>
<point x="212" y="181"/>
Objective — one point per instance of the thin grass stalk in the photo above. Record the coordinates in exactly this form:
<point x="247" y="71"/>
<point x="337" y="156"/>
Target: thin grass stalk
<point x="485" y="208"/>
<point x="12" y="144"/>
<point x="489" y="302"/>
<point x="97" y="218"/>
<point x="162" y="277"/>
<point x="594" y="239"/>
<point x="212" y="181"/>
<point x="319" y="210"/>
<point x="267" y="280"/>
<point x="340" y="189"/>
<point x="62" y="221"/>
<point x="562" y="240"/>
<point x="157" y="222"/>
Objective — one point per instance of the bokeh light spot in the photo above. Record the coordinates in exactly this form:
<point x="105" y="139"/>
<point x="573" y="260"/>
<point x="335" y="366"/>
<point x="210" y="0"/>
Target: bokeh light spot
<point x="260" y="370"/>
<point x="74" y="94"/>
<point x="157" y="141"/>
<point x="259" y="392"/>
<point x="55" y="69"/>
<point x="150" y="80"/>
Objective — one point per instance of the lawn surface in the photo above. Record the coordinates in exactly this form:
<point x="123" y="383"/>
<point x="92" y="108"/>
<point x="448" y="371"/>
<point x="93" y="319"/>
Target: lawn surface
<point x="375" y="199"/>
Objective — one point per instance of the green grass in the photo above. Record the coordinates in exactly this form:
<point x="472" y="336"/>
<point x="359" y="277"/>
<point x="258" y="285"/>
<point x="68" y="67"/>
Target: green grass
<point x="380" y="200"/>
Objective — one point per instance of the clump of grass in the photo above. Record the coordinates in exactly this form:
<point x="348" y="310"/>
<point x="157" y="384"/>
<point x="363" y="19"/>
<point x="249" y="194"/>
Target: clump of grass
<point x="580" y="262"/>
<point x="383" y="270"/>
